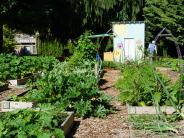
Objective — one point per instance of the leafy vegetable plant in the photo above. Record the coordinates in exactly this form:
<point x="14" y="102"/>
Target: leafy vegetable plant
<point x="71" y="89"/>
<point x="13" y="67"/>
<point x="138" y="85"/>
<point x="40" y="123"/>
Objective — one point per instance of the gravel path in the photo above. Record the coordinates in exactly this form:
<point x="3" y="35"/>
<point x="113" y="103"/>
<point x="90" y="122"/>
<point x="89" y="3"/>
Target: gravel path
<point x="115" y="125"/>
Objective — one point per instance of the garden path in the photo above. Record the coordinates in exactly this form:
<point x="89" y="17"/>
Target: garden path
<point x="115" y="125"/>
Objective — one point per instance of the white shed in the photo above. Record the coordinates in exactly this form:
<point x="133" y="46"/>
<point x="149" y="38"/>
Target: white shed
<point x="26" y="41"/>
<point x="128" y="41"/>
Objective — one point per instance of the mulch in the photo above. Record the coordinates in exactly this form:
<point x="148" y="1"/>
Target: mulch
<point x="115" y="125"/>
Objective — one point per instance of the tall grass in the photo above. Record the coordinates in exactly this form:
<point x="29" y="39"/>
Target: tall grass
<point x="50" y="48"/>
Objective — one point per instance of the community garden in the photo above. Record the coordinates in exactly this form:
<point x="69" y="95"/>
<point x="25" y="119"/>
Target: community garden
<point x="55" y="88"/>
<point x="62" y="86"/>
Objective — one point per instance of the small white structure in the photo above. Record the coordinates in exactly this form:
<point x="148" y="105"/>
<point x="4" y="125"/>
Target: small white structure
<point x="26" y="41"/>
<point x="128" y="41"/>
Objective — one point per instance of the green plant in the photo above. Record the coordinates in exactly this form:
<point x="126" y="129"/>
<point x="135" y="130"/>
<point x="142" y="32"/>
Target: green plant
<point x="75" y="59"/>
<point x="83" y="108"/>
<point x="138" y="85"/>
<point x="86" y="47"/>
<point x="101" y="111"/>
<point x="70" y="88"/>
<point x="50" y="48"/>
<point x="113" y="65"/>
<point x="109" y="46"/>
<point x="8" y="39"/>
<point x="40" y="123"/>
<point x="14" y="67"/>
<point x="71" y="47"/>
<point x="152" y="123"/>
<point x="170" y="63"/>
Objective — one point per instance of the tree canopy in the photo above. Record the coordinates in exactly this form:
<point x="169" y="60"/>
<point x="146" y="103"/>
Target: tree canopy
<point x="66" y="19"/>
<point x="165" y="13"/>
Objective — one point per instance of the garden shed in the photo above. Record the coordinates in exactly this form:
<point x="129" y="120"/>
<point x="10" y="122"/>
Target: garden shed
<point x="128" y="41"/>
<point x="25" y="41"/>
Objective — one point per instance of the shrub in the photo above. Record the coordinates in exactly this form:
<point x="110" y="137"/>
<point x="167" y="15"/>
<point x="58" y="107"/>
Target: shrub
<point x="138" y="85"/>
<point x="50" y="48"/>
<point x="71" y="89"/>
<point x="86" y="47"/>
<point x="8" y="39"/>
<point x="13" y="67"/>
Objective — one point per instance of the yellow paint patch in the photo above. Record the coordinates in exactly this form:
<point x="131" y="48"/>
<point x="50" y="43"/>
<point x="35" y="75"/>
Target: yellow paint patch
<point x="108" y="56"/>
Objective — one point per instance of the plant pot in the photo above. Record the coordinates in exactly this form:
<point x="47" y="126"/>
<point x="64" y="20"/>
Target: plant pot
<point x="18" y="81"/>
<point x="4" y="87"/>
<point x="149" y="110"/>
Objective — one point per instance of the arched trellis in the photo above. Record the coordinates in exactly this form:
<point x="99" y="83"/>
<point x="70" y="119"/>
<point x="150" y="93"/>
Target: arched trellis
<point x="169" y="34"/>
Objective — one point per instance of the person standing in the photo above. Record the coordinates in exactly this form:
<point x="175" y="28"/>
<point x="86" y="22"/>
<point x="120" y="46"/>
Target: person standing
<point x="152" y="48"/>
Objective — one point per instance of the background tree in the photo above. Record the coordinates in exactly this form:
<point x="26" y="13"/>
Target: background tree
<point x="23" y="15"/>
<point x="8" y="40"/>
<point x="164" y="13"/>
<point x="5" y="6"/>
<point x="65" y="19"/>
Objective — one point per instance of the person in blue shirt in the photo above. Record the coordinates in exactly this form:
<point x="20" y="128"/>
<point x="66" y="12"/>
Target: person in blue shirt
<point x="151" y="49"/>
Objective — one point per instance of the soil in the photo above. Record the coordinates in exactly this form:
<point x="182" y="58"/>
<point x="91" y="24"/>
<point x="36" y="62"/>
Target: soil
<point x="169" y="73"/>
<point x="115" y="125"/>
<point x="5" y="95"/>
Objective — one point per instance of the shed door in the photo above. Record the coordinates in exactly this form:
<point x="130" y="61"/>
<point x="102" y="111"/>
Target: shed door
<point x="130" y="49"/>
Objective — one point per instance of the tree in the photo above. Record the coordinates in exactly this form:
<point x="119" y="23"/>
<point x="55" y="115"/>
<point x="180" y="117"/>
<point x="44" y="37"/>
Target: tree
<point x="24" y="15"/>
<point x="65" y="19"/>
<point x="8" y="39"/>
<point x="165" y="13"/>
<point x="5" y="5"/>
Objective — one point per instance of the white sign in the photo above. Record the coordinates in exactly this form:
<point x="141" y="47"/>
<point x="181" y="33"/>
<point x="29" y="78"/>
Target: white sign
<point x="24" y="38"/>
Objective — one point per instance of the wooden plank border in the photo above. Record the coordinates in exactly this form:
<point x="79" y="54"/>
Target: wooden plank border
<point x="149" y="110"/>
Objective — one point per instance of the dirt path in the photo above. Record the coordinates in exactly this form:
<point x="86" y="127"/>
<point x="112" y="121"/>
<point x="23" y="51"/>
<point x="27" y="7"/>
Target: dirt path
<point x="169" y="73"/>
<point x="115" y="125"/>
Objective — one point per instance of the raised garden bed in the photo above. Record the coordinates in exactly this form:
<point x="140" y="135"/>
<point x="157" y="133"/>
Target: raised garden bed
<point x="149" y="110"/>
<point x="3" y="86"/>
<point x="10" y="105"/>
<point x="17" y="82"/>
<point x="7" y="106"/>
<point x="68" y="123"/>
<point x="11" y="91"/>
